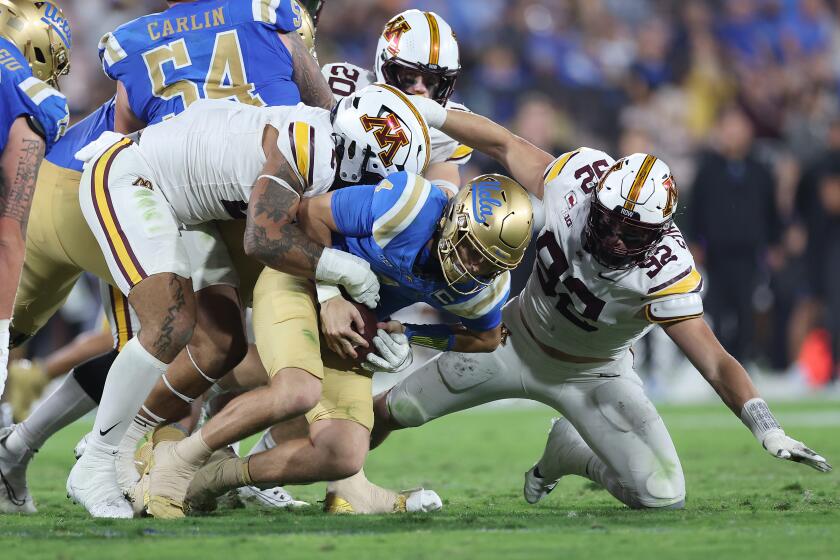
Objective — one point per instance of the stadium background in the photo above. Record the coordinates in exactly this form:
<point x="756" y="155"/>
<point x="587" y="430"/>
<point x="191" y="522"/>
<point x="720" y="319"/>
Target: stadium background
<point x="740" y="97"/>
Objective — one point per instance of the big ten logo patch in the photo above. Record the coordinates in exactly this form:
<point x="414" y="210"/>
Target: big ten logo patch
<point x="484" y="199"/>
<point x="389" y="134"/>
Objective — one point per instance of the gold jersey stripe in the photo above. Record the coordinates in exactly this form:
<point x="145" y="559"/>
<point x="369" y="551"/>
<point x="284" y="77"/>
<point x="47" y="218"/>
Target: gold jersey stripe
<point x="558" y="166"/>
<point x="636" y="188"/>
<point x="652" y="319"/>
<point x="303" y="151"/>
<point x="684" y="286"/>
<point x="108" y="220"/>
<point x="461" y="151"/>
<point x="383" y="233"/>
<point x="420" y="118"/>
<point x="434" y="36"/>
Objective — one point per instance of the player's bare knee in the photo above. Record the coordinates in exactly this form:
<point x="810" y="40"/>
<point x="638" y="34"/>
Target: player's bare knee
<point x="297" y="390"/>
<point x="344" y="455"/>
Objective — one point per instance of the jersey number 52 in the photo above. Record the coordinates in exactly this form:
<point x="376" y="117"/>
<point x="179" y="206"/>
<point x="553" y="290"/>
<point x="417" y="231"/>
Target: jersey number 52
<point x="551" y="265"/>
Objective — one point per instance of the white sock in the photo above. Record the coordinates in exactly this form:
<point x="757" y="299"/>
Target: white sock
<point x="265" y="443"/>
<point x="130" y="380"/>
<point x="66" y="404"/>
<point x="140" y="426"/>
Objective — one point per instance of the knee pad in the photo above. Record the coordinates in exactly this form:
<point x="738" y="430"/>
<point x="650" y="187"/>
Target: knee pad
<point x="624" y="405"/>
<point x="663" y="488"/>
<point x="461" y="372"/>
<point x="91" y="375"/>
<point x="405" y="409"/>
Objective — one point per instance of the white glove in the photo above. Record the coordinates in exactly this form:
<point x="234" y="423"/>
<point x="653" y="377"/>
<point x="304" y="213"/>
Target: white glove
<point x="758" y="418"/>
<point x="4" y="353"/>
<point x="433" y="112"/>
<point x="98" y="146"/>
<point x="350" y="271"/>
<point x="393" y="353"/>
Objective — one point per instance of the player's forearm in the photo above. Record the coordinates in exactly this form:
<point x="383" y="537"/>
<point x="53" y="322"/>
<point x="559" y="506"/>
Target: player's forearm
<point x="285" y="248"/>
<point x="524" y="161"/>
<point x="84" y="347"/>
<point x="314" y="90"/>
<point x="11" y="261"/>
<point x="732" y="383"/>
<point x="456" y="338"/>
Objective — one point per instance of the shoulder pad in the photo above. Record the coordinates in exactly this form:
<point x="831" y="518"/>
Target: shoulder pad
<point x="668" y="310"/>
<point x="283" y="15"/>
<point x="579" y="168"/>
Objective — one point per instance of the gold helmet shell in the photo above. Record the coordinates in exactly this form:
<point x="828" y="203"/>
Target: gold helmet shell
<point x="307" y="27"/>
<point x="42" y="33"/>
<point x="493" y="216"/>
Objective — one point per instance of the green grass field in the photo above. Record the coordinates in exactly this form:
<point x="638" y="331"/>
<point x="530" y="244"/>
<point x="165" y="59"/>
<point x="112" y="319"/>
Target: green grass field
<point x="741" y="502"/>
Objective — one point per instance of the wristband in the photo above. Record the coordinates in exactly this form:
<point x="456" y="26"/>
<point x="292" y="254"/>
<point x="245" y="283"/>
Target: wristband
<point x="439" y="337"/>
<point x="757" y="417"/>
<point x="326" y="291"/>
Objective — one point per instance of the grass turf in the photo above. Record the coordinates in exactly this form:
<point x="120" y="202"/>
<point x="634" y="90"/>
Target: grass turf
<point x="741" y="502"/>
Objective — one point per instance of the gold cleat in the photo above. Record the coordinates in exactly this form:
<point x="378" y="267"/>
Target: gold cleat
<point x="335" y="504"/>
<point x="26" y="382"/>
<point x="169" y="478"/>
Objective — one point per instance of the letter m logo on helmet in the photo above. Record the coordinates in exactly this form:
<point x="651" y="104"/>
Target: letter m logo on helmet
<point x="392" y="33"/>
<point x="388" y="133"/>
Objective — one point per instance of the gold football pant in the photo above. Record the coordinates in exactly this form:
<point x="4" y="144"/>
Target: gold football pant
<point x="286" y="331"/>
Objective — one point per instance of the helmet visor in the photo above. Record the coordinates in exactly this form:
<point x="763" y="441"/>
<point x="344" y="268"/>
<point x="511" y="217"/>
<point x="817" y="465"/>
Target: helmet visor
<point x="418" y="79"/>
<point x="618" y="241"/>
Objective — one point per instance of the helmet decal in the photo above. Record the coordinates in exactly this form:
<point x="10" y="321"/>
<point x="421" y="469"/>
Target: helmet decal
<point x="434" y="39"/>
<point x="394" y="30"/>
<point x="389" y="135"/>
<point x="671" y="186"/>
<point x="483" y="200"/>
<point x="638" y="183"/>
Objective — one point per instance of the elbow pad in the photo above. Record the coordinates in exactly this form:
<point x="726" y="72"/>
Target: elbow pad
<point x="675" y="309"/>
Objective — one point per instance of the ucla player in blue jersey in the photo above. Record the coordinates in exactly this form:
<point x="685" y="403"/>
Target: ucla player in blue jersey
<point x="247" y="51"/>
<point x="452" y="254"/>
<point x="34" y="52"/>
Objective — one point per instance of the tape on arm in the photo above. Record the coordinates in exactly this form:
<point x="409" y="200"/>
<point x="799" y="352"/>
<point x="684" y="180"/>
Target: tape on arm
<point x="669" y="310"/>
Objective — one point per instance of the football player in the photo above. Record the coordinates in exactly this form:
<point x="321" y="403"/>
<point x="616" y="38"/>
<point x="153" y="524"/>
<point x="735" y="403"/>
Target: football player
<point x="417" y="53"/>
<point x="611" y="265"/>
<point x="34" y="52"/>
<point x="59" y="248"/>
<point x="454" y="255"/>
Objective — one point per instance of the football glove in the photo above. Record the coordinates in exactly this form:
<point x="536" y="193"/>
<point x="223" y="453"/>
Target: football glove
<point x="393" y="353"/>
<point x="766" y="429"/>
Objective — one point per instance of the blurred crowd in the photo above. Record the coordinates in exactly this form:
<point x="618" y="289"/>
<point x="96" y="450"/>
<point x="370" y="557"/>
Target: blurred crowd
<point x="740" y="97"/>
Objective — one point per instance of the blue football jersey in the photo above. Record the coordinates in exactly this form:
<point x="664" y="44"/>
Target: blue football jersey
<point x="208" y="49"/>
<point x="390" y="225"/>
<point x="80" y="135"/>
<point x="23" y="94"/>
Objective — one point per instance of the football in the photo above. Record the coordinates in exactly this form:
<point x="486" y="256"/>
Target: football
<point x="370" y="320"/>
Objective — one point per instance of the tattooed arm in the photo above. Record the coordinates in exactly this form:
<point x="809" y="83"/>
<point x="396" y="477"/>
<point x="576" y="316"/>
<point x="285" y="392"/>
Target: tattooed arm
<point x="270" y="236"/>
<point x="314" y="90"/>
<point x="18" y="170"/>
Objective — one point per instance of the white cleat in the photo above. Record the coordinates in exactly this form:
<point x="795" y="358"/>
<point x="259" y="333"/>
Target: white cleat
<point x="79" y="450"/>
<point x="423" y="501"/>
<point x="93" y="484"/>
<point x="14" y="493"/>
<point x="275" y="497"/>
<point x="565" y="449"/>
<point x="536" y="488"/>
<point x="127" y="475"/>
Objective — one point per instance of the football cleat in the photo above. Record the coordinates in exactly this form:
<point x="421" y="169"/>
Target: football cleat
<point x="536" y="488"/>
<point x="79" y="450"/>
<point x="420" y="500"/>
<point x="93" y="484"/>
<point x="275" y="497"/>
<point x="14" y="493"/>
<point x="169" y="478"/>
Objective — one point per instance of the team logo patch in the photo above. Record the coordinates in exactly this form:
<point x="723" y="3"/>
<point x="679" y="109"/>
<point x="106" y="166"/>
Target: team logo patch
<point x="141" y="182"/>
<point x="483" y="200"/>
<point x="389" y="135"/>
<point x="567" y="219"/>
<point x="670" y="186"/>
<point x="393" y="33"/>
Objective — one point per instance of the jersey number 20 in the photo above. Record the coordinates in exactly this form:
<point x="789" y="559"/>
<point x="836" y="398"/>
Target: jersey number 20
<point x="225" y="77"/>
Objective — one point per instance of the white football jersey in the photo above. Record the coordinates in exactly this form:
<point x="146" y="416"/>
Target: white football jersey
<point x="345" y="79"/>
<point x="577" y="306"/>
<point x="207" y="158"/>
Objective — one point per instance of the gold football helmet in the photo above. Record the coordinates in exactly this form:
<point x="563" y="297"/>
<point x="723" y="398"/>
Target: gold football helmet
<point x="307" y="27"/>
<point x="484" y="231"/>
<point x="42" y="33"/>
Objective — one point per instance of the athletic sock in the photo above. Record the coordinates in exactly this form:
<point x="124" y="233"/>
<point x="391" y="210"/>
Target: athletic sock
<point x="66" y="404"/>
<point x="131" y="379"/>
<point x="139" y="427"/>
<point x="565" y="452"/>
<point x="363" y="495"/>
